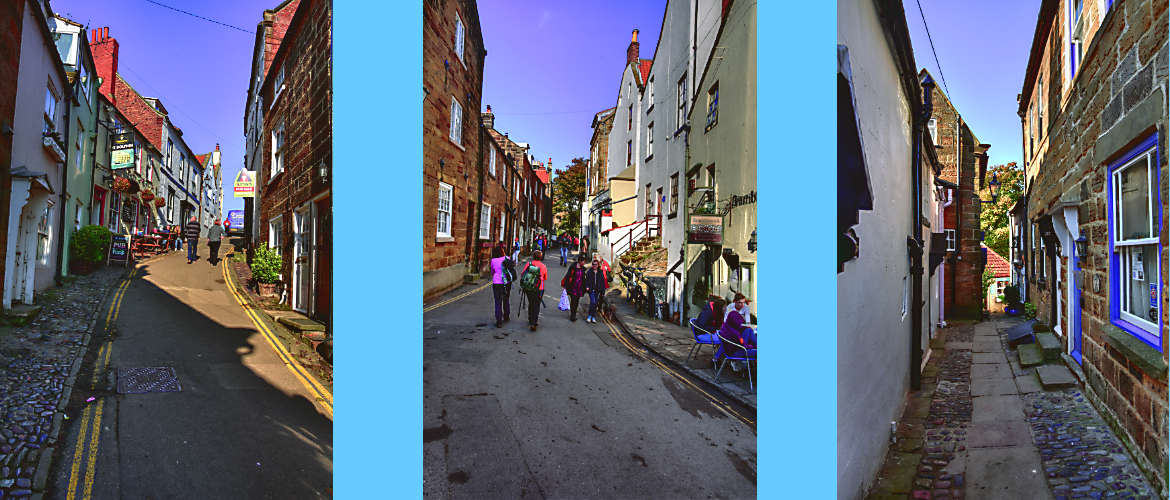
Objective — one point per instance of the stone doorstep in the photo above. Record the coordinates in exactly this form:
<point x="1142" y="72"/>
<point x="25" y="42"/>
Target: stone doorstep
<point x="21" y="314"/>
<point x="1030" y="355"/>
<point x="300" y="324"/>
<point x="1051" y="345"/>
<point x="1055" y="377"/>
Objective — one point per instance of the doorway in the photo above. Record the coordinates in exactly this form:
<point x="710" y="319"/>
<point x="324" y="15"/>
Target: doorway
<point x="302" y="250"/>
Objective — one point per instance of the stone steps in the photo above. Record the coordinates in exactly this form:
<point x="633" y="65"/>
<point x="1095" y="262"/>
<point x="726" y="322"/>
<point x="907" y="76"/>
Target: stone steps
<point x="1055" y="376"/>
<point x="1051" y="346"/>
<point x="1030" y="355"/>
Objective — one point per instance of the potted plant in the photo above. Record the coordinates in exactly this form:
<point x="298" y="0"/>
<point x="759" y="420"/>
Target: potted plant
<point x="87" y="248"/>
<point x="266" y="267"/>
<point x="147" y="195"/>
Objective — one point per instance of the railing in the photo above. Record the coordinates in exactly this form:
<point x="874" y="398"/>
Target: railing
<point x="633" y="233"/>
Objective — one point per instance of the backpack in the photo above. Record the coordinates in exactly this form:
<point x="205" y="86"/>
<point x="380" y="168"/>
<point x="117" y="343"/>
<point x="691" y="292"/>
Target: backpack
<point x="530" y="280"/>
<point x="509" y="271"/>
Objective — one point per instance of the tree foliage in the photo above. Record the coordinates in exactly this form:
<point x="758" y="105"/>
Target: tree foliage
<point x="994" y="217"/>
<point x="568" y="194"/>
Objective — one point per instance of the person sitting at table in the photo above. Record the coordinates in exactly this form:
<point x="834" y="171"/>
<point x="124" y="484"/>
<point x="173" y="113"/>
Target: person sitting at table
<point x="711" y="318"/>
<point x="733" y="328"/>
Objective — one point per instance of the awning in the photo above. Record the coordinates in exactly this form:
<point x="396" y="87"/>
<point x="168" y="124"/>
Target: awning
<point x="36" y="177"/>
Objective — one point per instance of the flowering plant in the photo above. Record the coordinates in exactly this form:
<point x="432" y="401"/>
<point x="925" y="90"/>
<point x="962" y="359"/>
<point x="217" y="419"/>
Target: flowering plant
<point x="160" y="202"/>
<point x="121" y="184"/>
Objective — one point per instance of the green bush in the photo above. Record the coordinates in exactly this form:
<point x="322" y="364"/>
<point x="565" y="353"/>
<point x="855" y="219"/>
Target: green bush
<point x="90" y="244"/>
<point x="1011" y="295"/>
<point x="266" y="265"/>
<point x="1029" y="310"/>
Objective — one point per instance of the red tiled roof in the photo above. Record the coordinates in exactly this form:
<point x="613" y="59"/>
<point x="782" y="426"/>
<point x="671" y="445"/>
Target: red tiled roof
<point x="199" y="158"/>
<point x="542" y="174"/>
<point x="644" y="66"/>
<point x="998" y="265"/>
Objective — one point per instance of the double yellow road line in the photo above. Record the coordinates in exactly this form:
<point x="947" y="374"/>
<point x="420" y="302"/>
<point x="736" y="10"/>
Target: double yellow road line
<point x="321" y="395"/>
<point x="613" y="330"/>
<point x="455" y="298"/>
<point x="91" y="419"/>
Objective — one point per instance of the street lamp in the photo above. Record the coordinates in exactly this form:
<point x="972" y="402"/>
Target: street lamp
<point x="991" y="187"/>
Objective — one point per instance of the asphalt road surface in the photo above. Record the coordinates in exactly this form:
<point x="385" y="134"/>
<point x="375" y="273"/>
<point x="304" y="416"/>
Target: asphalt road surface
<point x="564" y="412"/>
<point x="242" y="425"/>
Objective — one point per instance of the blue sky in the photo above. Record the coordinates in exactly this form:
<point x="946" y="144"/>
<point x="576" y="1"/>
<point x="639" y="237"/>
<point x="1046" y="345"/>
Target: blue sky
<point x="551" y="66"/>
<point x="199" y="69"/>
<point x="983" y="52"/>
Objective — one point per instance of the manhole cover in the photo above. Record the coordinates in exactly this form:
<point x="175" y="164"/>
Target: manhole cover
<point x="144" y="380"/>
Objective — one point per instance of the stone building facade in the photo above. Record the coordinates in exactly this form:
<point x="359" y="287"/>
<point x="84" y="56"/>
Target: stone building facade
<point x="297" y="173"/>
<point x="964" y="164"/>
<point x="594" y="218"/>
<point x="453" y="57"/>
<point x="1094" y="120"/>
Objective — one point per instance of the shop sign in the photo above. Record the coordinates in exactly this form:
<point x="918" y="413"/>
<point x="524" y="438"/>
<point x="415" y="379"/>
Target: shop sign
<point x="122" y="151"/>
<point x="245" y="185"/>
<point x="119" y="249"/>
<point x="705" y="229"/>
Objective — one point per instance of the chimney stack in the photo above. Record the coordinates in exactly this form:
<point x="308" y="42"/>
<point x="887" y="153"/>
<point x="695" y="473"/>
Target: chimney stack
<point x="489" y="120"/>
<point x="105" y="60"/>
<point x="632" y="50"/>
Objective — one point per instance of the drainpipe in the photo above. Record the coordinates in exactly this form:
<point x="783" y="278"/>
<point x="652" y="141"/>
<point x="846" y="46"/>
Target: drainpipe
<point x="915" y="244"/>
<point x="64" y="194"/>
<point x="479" y="206"/>
<point x="942" y="304"/>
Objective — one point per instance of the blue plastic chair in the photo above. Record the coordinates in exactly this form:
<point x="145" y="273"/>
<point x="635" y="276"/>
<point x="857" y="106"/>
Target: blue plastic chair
<point x="733" y="351"/>
<point x="702" y="338"/>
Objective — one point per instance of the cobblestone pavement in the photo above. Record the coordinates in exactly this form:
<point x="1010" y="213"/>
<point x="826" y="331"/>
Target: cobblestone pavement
<point x="946" y="429"/>
<point x="35" y="363"/>
<point x="1082" y="458"/>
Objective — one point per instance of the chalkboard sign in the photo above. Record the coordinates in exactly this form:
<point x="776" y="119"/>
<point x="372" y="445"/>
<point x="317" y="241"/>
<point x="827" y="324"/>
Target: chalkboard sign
<point x="120" y="249"/>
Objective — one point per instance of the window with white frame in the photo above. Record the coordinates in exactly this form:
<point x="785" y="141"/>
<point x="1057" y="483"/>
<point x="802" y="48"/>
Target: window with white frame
<point x="1040" y="108"/>
<point x="649" y="140"/>
<point x="932" y="127"/>
<point x="629" y="153"/>
<point x="274" y="230"/>
<point x="277" y="151"/>
<point x="951" y="242"/>
<point x="680" y="117"/>
<point x="1133" y="228"/>
<point x="673" y="202"/>
<point x="444" y="226"/>
<point x="170" y="152"/>
<point x="43" y="235"/>
<point x="1077" y="40"/>
<point x="83" y="75"/>
<point x="50" y="109"/>
<point x="492" y="161"/>
<point x="456" y="133"/>
<point x="712" y="106"/>
<point x="503" y="224"/>
<point x="485" y="222"/>
<point x="650" y="94"/>
<point x="459" y="36"/>
<point x="630" y="118"/>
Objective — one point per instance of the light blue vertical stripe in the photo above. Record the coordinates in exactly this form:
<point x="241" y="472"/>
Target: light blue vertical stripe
<point x="796" y="157"/>
<point x="377" y="208"/>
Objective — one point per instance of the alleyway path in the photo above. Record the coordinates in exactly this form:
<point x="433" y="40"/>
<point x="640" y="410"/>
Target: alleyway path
<point x="983" y="427"/>
<point x="565" y="412"/>
<point x="242" y="424"/>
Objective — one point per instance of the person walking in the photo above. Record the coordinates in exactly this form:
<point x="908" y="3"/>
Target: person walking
<point x="191" y="232"/>
<point x="595" y="286"/>
<point x="532" y="282"/>
<point x="574" y="284"/>
<point x="564" y="248"/>
<point x="501" y="283"/>
<point x="214" y="238"/>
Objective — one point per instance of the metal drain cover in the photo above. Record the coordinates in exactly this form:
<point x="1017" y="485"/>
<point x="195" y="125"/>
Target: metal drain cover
<point x="144" y="380"/>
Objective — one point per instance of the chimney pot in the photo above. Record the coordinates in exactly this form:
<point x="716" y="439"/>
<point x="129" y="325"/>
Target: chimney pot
<point x="635" y="37"/>
<point x="106" y="33"/>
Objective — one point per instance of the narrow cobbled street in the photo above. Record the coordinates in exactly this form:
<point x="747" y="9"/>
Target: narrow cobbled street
<point x="983" y="426"/>
<point x="566" y="411"/>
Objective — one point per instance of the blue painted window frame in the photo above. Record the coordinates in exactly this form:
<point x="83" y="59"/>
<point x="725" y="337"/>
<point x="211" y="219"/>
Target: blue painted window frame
<point x="1153" y="339"/>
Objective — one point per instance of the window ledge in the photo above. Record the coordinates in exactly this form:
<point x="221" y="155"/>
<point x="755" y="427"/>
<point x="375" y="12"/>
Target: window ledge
<point x="1148" y="359"/>
<point x="444" y="239"/>
<point x="460" y="146"/>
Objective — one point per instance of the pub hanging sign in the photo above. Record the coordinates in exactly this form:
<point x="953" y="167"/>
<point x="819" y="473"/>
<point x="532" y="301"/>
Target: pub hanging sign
<point x="122" y="151"/>
<point x="707" y="229"/>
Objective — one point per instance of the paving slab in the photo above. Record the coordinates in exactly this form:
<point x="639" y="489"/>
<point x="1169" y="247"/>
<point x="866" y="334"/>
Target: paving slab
<point x="1006" y="407"/>
<point x="1055" y="377"/>
<point x="1030" y="355"/>
<point x="958" y="346"/>
<point x="1005" y="473"/>
<point x="982" y="358"/>
<point x="1001" y="370"/>
<point x="993" y="387"/>
<point x="1028" y="383"/>
<point x="986" y="329"/>
<point x="987" y="345"/>
<point x="999" y="434"/>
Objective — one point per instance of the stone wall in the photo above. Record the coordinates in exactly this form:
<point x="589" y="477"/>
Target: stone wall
<point x="1117" y="99"/>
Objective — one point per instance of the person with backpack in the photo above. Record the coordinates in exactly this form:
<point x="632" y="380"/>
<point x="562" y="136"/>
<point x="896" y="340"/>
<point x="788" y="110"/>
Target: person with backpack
<point x="532" y="283"/>
<point x="502" y="278"/>
<point x="574" y="284"/>
<point x="595" y="286"/>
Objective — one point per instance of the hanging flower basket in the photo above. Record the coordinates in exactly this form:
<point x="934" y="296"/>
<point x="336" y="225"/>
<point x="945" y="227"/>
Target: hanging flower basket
<point x="160" y="202"/>
<point x="121" y="184"/>
<point x="147" y="196"/>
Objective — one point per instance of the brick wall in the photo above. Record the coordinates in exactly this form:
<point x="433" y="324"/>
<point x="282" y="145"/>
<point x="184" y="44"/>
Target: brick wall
<point x="304" y="107"/>
<point x="1124" y="65"/>
<point x="446" y="77"/>
<point x="11" y="22"/>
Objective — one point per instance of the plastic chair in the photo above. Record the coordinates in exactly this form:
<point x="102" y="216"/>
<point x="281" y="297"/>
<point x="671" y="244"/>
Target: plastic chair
<point x="702" y="338"/>
<point x="734" y="351"/>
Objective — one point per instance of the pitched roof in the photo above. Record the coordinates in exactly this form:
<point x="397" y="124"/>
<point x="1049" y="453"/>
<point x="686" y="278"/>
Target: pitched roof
<point x="644" y="68"/>
<point x="542" y="174"/>
<point x="998" y="265"/>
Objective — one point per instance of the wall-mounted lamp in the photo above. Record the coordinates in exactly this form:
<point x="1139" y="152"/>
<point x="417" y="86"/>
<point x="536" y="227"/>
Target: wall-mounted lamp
<point x="1082" y="245"/>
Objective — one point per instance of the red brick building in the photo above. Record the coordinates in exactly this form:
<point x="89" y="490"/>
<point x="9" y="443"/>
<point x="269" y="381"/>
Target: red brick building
<point x="453" y="152"/>
<point x="1092" y="232"/>
<point x="296" y="171"/>
<point x="11" y="31"/>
